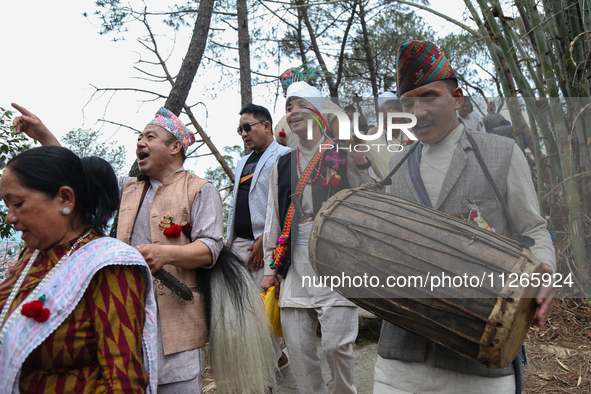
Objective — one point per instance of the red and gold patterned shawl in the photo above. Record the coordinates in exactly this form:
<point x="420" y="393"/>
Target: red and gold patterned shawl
<point x="98" y="348"/>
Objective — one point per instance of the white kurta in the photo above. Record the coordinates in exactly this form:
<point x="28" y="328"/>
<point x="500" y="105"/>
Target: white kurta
<point x="293" y="294"/>
<point x="303" y="307"/>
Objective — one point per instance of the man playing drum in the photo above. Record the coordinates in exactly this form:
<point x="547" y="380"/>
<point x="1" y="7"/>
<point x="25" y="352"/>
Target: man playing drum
<point x="318" y="172"/>
<point x="447" y="178"/>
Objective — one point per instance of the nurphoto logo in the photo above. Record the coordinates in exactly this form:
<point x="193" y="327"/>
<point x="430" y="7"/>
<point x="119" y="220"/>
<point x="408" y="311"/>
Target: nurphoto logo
<point x="394" y="121"/>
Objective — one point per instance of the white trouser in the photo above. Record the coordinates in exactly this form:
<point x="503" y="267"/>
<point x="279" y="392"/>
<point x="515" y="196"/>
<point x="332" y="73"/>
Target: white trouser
<point x="239" y="246"/>
<point x="339" y="326"/>
<point x="406" y="377"/>
<point x="192" y="386"/>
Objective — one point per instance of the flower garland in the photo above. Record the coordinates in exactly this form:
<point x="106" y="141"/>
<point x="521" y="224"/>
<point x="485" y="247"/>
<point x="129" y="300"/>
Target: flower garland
<point x="281" y="247"/>
<point x="300" y="167"/>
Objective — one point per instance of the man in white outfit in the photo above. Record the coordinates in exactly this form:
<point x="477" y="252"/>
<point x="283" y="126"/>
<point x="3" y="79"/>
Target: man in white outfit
<point x="304" y="306"/>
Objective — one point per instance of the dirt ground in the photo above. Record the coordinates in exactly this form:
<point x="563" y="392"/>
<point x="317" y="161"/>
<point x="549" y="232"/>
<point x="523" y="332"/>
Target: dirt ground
<point x="560" y="352"/>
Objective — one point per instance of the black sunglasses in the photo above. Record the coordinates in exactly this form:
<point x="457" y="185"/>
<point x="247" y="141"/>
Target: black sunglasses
<point x="247" y="127"/>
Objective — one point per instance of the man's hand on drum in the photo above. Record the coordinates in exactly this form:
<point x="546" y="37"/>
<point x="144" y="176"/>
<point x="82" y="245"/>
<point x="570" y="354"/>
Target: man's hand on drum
<point x="270" y="281"/>
<point x="32" y="126"/>
<point x="544" y="299"/>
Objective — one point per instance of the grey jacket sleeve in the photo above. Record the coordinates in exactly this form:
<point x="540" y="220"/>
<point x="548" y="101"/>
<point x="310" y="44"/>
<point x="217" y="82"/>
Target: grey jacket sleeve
<point x="525" y="210"/>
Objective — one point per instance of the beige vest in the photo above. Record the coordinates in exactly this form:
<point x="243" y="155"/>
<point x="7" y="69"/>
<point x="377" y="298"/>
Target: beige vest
<point x="183" y="325"/>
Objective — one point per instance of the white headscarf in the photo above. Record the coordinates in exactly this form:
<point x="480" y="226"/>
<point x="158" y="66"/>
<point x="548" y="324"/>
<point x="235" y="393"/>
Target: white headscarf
<point x="309" y="93"/>
<point x="385" y="96"/>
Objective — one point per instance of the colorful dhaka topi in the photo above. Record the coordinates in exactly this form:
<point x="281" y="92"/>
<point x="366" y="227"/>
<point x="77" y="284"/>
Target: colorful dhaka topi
<point x="171" y="123"/>
<point x="420" y="63"/>
<point x="300" y="73"/>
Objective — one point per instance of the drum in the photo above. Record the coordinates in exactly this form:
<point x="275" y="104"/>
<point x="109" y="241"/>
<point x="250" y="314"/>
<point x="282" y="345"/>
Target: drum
<point x="379" y="245"/>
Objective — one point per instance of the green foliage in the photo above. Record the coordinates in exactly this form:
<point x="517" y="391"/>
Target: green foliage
<point x="391" y="28"/>
<point x="85" y="143"/>
<point x="218" y="176"/>
<point x="10" y="146"/>
<point x="471" y="60"/>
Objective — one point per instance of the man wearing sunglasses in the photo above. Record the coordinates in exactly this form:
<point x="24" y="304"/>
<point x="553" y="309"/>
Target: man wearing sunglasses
<point x="248" y="209"/>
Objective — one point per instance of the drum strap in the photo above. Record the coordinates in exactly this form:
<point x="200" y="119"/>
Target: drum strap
<point x="282" y="241"/>
<point x="522" y="239"/>
<point x="417" y="180"/>
<point x="388" y="179"/>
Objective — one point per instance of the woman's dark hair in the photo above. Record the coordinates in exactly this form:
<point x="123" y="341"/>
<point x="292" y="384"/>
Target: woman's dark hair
<point x="47" y="168"/>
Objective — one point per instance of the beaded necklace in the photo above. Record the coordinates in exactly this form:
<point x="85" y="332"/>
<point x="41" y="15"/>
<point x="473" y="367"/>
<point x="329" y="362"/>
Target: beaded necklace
<point x="35" y="291"/>
<point x="300" y="167"/>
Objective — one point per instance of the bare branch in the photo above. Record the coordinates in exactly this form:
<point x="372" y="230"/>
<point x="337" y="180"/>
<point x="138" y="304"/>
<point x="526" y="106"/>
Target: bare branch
<point x="128" y="89"/>
<point x="119" y="124"/>
<point x="277" y="16"/>
<point x="238" y="68"/>
<point x="223" y="46"/>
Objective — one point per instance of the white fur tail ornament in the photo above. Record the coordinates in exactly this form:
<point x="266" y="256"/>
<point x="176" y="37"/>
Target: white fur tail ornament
<point x="240" y="343"/>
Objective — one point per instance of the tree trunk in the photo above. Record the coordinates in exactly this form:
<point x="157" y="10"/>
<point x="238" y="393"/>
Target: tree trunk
<point x="332" y="88"/>
<point x="184" y="80"/>
<point x="299" y="32"/>
<point x="244" y="57"/>
<point x="244" y="53"/>
<point x="370" y="61"/>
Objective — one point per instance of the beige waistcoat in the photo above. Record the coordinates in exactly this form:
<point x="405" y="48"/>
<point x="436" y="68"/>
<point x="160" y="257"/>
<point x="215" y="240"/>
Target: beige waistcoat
<point x="183" y="325"/>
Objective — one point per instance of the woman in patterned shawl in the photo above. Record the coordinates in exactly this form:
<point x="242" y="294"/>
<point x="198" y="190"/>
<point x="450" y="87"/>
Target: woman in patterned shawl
<point x="77" y="310"/>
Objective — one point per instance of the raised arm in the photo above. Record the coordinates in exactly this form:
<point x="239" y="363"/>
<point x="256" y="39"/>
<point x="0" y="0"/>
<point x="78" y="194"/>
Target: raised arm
<point x="32" y="126"/>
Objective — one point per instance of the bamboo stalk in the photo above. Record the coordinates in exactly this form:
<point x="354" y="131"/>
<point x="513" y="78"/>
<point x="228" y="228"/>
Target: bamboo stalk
<point x="584" y="10"/>
<point x="569" y="168"/>
<point x="577" y="47"/>
<point x="533" y="75"/>
<point x="522" y="83"/>
<point x="539" y="164"/>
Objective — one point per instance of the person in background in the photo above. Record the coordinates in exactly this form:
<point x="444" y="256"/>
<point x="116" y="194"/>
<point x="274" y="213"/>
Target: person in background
<point x="78" y="313"/>
<point x="380" y="158"/>
<point x="246" y="219"/>
<point x="479" y="117"/>
<point x="470" y="121"/>
<point x="362" y="120"/>
<point x="282" y="133"/>
<point x="493" y="119"/>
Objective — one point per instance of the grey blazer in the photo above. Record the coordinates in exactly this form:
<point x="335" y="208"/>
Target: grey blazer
<point x="259" y="190"/>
